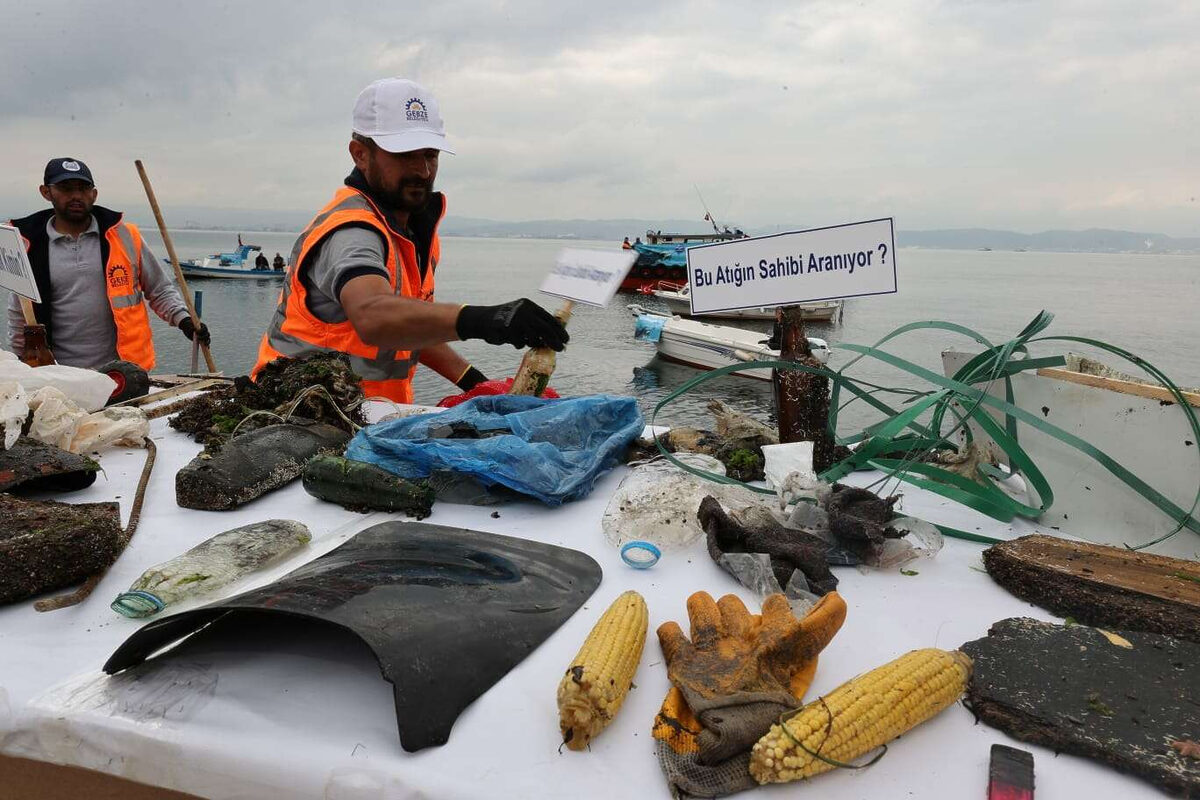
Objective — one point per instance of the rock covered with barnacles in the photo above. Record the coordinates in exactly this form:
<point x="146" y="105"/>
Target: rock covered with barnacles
<point x="45" y="545"/>
<point x="212" y="417"/>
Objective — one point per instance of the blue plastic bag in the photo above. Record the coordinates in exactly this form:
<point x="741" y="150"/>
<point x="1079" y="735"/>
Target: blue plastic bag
<point x="549" y="449"/>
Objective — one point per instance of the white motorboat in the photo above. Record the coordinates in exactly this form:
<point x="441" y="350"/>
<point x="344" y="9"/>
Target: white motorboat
<point x="677" y="296"/>
<point x="238" y="264"/>
<point x="705" y="346"/>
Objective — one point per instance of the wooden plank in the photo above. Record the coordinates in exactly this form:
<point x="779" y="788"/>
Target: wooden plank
<point x="1110" y="587"/>
<point x="1147" y="390"/>
<point x="1123" y="703"/>
<point x="168" y="380"/>
<point x="175" y="391"/>
<point x="21" y="779"/>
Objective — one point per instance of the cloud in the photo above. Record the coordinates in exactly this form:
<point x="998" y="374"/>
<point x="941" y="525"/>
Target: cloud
<point x="1021" y="115"/>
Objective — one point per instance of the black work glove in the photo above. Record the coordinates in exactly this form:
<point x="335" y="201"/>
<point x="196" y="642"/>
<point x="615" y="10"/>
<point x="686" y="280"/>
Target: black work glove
<point x="470" y="379"/>
<point x="521" y="323"/>
<point x="189" y="330"/>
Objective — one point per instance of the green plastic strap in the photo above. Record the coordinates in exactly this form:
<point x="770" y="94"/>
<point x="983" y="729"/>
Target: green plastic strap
<point x="959" y="397"/>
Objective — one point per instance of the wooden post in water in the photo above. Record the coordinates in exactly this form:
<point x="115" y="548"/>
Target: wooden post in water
<point x="801" y="398"/>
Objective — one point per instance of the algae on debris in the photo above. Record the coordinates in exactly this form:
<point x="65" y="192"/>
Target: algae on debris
<point x="45" y="545"/>
<point x="212" y="417"/>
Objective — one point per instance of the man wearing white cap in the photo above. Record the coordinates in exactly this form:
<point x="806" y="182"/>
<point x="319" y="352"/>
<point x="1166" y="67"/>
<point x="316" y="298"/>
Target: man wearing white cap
<point x="361" y="278"/>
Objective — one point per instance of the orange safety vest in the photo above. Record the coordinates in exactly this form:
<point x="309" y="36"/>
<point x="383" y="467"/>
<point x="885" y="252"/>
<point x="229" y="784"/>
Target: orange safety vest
<point x="295" y="331"/>
<point x="122" y="281"/>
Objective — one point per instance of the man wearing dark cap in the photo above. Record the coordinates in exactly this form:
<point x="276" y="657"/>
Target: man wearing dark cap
<point x="95" y="276"/>
<point x="362" y="275"/>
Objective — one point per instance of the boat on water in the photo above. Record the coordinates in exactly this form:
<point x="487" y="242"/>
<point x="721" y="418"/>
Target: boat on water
<point x="238" y="265"/>
<point x="663" y="256"/>
<point x="677" y="296"/>
<point x="706" y="346"/>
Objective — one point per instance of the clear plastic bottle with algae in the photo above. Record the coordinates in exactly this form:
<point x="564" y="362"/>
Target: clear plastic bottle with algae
<point x="533" y="376"/>
<point x="213" y="563"/>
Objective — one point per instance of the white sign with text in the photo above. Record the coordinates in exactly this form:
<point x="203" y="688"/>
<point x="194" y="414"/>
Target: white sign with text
<point x="590" y="277"/>
<point x="15" y="273"/>
<point x="784" y="269"/>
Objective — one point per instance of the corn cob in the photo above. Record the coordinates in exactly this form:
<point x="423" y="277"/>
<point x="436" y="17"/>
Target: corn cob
<point x="860" y="715"/>
<point x="595" y="685"/>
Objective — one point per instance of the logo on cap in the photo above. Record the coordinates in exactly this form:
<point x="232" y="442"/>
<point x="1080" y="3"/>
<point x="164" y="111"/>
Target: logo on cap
<point x="414" y="111"/>
<point x="71" y="166"/>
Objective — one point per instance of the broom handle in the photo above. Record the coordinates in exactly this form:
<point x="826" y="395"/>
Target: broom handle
<point x="187" y="294"/>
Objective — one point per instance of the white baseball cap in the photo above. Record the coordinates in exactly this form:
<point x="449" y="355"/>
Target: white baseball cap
<point x="400" y="115"/>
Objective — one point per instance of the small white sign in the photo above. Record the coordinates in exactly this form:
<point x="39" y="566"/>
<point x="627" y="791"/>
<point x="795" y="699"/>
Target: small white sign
<point x="590" y="277"/>
<point x="15" y="273"/>
<point x="783" y="269"/>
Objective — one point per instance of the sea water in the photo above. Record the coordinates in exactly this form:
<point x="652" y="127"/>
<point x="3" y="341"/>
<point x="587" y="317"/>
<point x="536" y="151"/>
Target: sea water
<point x="1145" y="303"/>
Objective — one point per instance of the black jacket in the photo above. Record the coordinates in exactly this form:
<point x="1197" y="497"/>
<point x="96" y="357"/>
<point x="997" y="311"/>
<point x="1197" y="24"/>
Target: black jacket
<point x="33" y="228"/>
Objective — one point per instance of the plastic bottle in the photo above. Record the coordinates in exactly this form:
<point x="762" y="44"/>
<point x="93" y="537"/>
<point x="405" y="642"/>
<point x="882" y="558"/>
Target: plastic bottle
<point x="533" y="376"/>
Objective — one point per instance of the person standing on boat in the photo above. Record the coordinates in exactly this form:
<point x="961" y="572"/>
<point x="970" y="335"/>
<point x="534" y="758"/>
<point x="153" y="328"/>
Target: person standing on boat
<point x="260" y="261"/>
<point x="278" y="263"/>
<point x="362" y="278"/>
<point x="95" y="276"/>
<point x="625" y="245"/>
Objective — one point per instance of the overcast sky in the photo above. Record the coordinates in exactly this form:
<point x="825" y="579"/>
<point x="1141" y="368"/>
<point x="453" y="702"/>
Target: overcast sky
<point x="1020" y="115"/>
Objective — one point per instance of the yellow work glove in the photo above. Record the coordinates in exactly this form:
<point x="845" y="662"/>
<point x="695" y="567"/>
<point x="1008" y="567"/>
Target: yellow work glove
<point x="732" y="680"/>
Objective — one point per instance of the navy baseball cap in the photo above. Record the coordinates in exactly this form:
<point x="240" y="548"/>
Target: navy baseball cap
<point x="66" y="169"/>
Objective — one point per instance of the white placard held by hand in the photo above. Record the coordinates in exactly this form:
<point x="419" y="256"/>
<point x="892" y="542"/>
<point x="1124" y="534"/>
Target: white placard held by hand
<point x="15" y="273"/>
<point x="590" y="277"/>
<point x="784" y="269"/>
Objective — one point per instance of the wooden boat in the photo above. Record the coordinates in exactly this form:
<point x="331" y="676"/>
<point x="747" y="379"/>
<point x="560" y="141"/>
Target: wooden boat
<point x="663" y="256"/>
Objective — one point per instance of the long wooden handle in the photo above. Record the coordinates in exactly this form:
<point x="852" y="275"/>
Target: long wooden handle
<point x="27" y="311"/>
<point x="183" y="287"/>
<point x="564" y="313"/>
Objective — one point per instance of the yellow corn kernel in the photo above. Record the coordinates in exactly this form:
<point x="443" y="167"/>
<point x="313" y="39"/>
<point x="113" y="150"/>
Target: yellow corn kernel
<point x="594" y="686"/>
<point x="861" y="714"/>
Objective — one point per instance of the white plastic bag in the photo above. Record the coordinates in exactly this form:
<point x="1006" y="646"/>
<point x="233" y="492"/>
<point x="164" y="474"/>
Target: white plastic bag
<point x="55" y="418"/>
<point x="120" y="426"/>
<point x="14" y="408"/>
<point x="87" y="388"/>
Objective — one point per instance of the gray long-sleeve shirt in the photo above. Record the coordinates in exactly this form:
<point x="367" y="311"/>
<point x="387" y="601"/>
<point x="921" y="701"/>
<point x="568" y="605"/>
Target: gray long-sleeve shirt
<point x="84" y="332"/>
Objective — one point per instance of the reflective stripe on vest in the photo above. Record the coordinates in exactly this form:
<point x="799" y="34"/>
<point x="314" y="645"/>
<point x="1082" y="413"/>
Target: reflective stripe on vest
<point x="123" y="282"/>
<point x="295" y="331"/>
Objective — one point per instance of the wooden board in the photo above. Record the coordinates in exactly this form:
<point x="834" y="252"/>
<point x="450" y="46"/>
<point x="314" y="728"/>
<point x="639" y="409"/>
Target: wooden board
<point x="22" y="779"/>
<point x="1109" y="587"/>
<point x="1076" y="691"/>
<point x="174" y="391"/>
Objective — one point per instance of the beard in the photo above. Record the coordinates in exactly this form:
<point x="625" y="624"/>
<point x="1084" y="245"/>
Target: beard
<point x="411" y="194"/>
<point x="74" y="211"/>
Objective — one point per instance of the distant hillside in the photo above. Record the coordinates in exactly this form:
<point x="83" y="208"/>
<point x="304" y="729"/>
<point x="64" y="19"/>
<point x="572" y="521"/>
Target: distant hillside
<point x="1093" y="240"/>
<point x="599" y="229"/>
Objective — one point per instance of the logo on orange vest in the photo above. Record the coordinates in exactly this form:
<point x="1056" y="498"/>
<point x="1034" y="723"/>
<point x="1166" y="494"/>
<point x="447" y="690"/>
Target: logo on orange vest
<point x="414" y="111"/>
<point x="118" y="275"/>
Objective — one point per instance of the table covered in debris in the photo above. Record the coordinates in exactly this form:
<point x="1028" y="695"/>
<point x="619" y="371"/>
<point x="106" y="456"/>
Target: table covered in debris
<point x="273" y="714"/>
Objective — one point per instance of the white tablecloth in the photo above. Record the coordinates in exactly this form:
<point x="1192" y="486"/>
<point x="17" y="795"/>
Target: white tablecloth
<point x="309" y="716"/>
